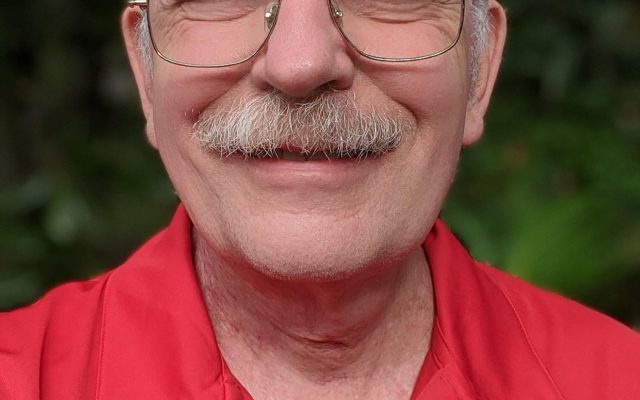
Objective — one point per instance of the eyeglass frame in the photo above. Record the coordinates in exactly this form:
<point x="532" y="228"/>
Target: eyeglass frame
<point x="335" y="14"/>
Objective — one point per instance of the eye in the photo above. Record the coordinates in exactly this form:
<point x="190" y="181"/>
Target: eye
<point x="208" y="32"/>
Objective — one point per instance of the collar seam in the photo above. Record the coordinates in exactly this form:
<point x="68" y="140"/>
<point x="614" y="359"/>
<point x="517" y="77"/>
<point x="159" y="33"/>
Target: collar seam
<point x="453" y="362"/>
<point x="525" y="333"/>
<point x="103" y="324"/>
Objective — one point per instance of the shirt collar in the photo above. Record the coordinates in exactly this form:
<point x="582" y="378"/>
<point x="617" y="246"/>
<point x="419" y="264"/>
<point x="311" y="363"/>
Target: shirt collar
<point x="157" y="333"/>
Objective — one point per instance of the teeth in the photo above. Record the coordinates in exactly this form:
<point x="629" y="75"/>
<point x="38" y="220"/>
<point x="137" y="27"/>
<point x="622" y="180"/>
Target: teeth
<point x="281" y="154"/>
<point x="292" y="156"/>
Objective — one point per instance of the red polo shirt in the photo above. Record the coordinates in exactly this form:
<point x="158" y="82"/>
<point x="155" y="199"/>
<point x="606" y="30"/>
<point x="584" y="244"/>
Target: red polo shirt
<point x="142" y="331"/>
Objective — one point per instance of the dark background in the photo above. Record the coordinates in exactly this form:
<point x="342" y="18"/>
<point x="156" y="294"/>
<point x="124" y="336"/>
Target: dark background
<point x="552" y="193"/>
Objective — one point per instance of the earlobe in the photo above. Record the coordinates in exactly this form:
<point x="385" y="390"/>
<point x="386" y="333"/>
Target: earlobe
<point x="488" y="66"/>
<point x="130" y="20"/>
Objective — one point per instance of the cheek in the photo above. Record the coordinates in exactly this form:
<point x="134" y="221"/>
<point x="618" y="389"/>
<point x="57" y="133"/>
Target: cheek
<point x="181" y="93"/>
<point x="435" y="93"/>
<point x="432" y="90"/>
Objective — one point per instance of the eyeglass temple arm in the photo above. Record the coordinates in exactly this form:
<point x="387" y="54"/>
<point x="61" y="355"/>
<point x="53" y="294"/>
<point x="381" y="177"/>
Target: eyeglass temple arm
<point x="137" y="3"/>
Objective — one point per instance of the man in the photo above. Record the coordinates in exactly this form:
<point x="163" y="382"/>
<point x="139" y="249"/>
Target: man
<point x="312" y="145"/>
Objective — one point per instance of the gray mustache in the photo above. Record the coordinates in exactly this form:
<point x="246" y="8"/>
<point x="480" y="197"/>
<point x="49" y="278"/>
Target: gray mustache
<point x="329" y="122"/>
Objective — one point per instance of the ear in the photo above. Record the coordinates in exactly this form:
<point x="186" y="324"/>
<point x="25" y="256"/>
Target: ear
<point x="131" y="17"/>
<point x="488" y="66"/>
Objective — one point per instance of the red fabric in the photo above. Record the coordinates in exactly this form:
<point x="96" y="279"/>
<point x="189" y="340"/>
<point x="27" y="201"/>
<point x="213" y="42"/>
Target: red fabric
<point x="141" y="331"/>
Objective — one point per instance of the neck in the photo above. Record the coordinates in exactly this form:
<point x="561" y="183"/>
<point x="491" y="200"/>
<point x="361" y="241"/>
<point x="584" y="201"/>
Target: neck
<point x="346" y="332"/>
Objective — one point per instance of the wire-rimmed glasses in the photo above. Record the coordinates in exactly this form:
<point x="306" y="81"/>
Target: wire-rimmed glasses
<point x="219" y="33"/>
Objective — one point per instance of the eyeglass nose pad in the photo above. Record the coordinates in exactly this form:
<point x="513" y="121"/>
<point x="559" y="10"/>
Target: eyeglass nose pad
<point x="336" y="14"/>
<point x="270" y="16"/>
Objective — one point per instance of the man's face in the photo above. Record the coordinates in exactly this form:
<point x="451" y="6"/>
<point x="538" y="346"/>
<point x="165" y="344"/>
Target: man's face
<point x="317" y="219"/>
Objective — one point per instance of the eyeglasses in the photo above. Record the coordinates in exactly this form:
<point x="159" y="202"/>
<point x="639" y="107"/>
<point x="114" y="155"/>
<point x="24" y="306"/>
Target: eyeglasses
<point x="220" y="33"/>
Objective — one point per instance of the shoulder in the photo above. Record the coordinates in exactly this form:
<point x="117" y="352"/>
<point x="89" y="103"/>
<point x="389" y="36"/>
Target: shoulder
<point x="57" y="345"/>
<point x="513" y="340"/>
<point x="70" y="310"/>
<point x="583" y="352"/>
<point x="52" y="340"/>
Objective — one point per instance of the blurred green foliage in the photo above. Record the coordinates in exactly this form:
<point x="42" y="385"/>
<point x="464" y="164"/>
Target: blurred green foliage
<point x="552" y="193"/>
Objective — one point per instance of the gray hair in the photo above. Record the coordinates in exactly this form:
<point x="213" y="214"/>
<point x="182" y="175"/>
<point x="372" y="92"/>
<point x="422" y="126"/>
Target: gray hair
<point x="479" y="35"/>
<point x="145" y="47"/>
<point x="330" y="123"/>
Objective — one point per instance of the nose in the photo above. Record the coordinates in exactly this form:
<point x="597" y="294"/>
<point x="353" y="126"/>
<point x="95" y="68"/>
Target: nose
<point x="305" y="52"/>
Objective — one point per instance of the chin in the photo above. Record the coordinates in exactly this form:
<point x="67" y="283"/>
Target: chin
<point x="320" y="252"/>
<point x="309" y="269"/>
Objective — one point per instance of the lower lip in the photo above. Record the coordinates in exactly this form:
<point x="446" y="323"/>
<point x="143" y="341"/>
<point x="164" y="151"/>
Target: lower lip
<point x="325" y="174"/>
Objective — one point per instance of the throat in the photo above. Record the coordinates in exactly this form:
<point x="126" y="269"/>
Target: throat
<point x="317" y="335"/>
